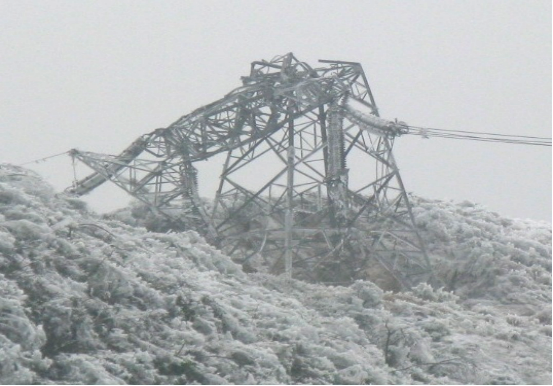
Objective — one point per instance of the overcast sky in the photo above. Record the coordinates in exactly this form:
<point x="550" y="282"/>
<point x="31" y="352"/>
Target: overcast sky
<point x="95" y="75"/>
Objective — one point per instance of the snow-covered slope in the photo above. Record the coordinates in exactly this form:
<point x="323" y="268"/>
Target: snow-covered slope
<point x="89" y="299"/>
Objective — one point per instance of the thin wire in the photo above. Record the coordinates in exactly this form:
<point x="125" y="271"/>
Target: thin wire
<point x="482" y="137"/>
<point x="511" y="140"/>
<point x="519" y="142"/>
<point x="43" y="159"/>
<point x="428" y="132"/>
<point x="447" y="135"/>
<point x="477" y="132"/>
<point x="470" y="137"/>
<point x="516" y="142"/>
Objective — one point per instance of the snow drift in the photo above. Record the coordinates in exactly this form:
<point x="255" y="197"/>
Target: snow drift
<point x="89" y="299"/>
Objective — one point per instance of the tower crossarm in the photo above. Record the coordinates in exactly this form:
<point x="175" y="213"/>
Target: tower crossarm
<point x="94" y="180"/>
<point x="360" y="112"/>
<point x="252" y="112"/>
<point x="258" y="108"/>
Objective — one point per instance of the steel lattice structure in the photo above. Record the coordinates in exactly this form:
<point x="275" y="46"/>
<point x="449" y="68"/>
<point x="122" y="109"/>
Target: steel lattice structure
<point x="286" y="196"/>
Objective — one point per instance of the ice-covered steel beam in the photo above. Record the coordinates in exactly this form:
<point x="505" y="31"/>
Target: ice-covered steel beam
<point x="361" y="113"/>
<point x="94" y="180"/>
<point x="248" y="113"/>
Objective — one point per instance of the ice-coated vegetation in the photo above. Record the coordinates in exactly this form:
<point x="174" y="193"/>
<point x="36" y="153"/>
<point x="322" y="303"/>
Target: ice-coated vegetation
<point x="89" y="299"/>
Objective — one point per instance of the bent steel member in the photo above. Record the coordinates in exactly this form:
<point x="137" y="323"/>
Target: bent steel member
<point x="304" y="123"/>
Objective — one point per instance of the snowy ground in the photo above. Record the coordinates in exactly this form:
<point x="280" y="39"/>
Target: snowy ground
<point x="87" y="299"/>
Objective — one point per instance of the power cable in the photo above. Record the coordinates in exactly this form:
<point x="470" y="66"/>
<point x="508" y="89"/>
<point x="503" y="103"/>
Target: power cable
<point x="476" y="132"/>
<point x="43" y="159"/>
<point x="427" y="132"/>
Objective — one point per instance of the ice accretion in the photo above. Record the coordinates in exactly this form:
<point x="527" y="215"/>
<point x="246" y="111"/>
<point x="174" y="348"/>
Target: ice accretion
<point x="89" y="299"/>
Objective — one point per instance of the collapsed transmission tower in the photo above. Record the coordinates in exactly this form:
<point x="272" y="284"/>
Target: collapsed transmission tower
<point x="285" y="195"/>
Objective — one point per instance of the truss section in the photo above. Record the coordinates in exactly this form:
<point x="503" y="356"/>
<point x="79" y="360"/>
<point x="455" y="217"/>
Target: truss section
<point x="309" y="186"/>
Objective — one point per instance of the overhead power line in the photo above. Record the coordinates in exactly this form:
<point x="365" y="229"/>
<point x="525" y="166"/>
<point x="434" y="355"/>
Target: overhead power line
<point x="428" y="132"/>
<point x="43" y="159"/>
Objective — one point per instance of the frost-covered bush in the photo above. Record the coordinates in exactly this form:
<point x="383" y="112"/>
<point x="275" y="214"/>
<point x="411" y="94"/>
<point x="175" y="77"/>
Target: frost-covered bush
<point x="101" y="300"/>
<point x="20" y="338"/>
<point x="7" y="241"/>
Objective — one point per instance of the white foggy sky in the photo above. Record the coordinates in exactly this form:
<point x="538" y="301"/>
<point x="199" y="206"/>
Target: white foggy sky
<point x="95" y="75"/>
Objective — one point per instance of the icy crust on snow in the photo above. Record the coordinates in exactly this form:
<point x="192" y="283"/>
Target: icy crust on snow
<point x="484" y="257"/>
<point x="91" y="300"/>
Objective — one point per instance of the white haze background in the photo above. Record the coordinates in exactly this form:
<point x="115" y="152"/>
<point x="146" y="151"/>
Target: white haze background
<point x="95" y="75"/>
